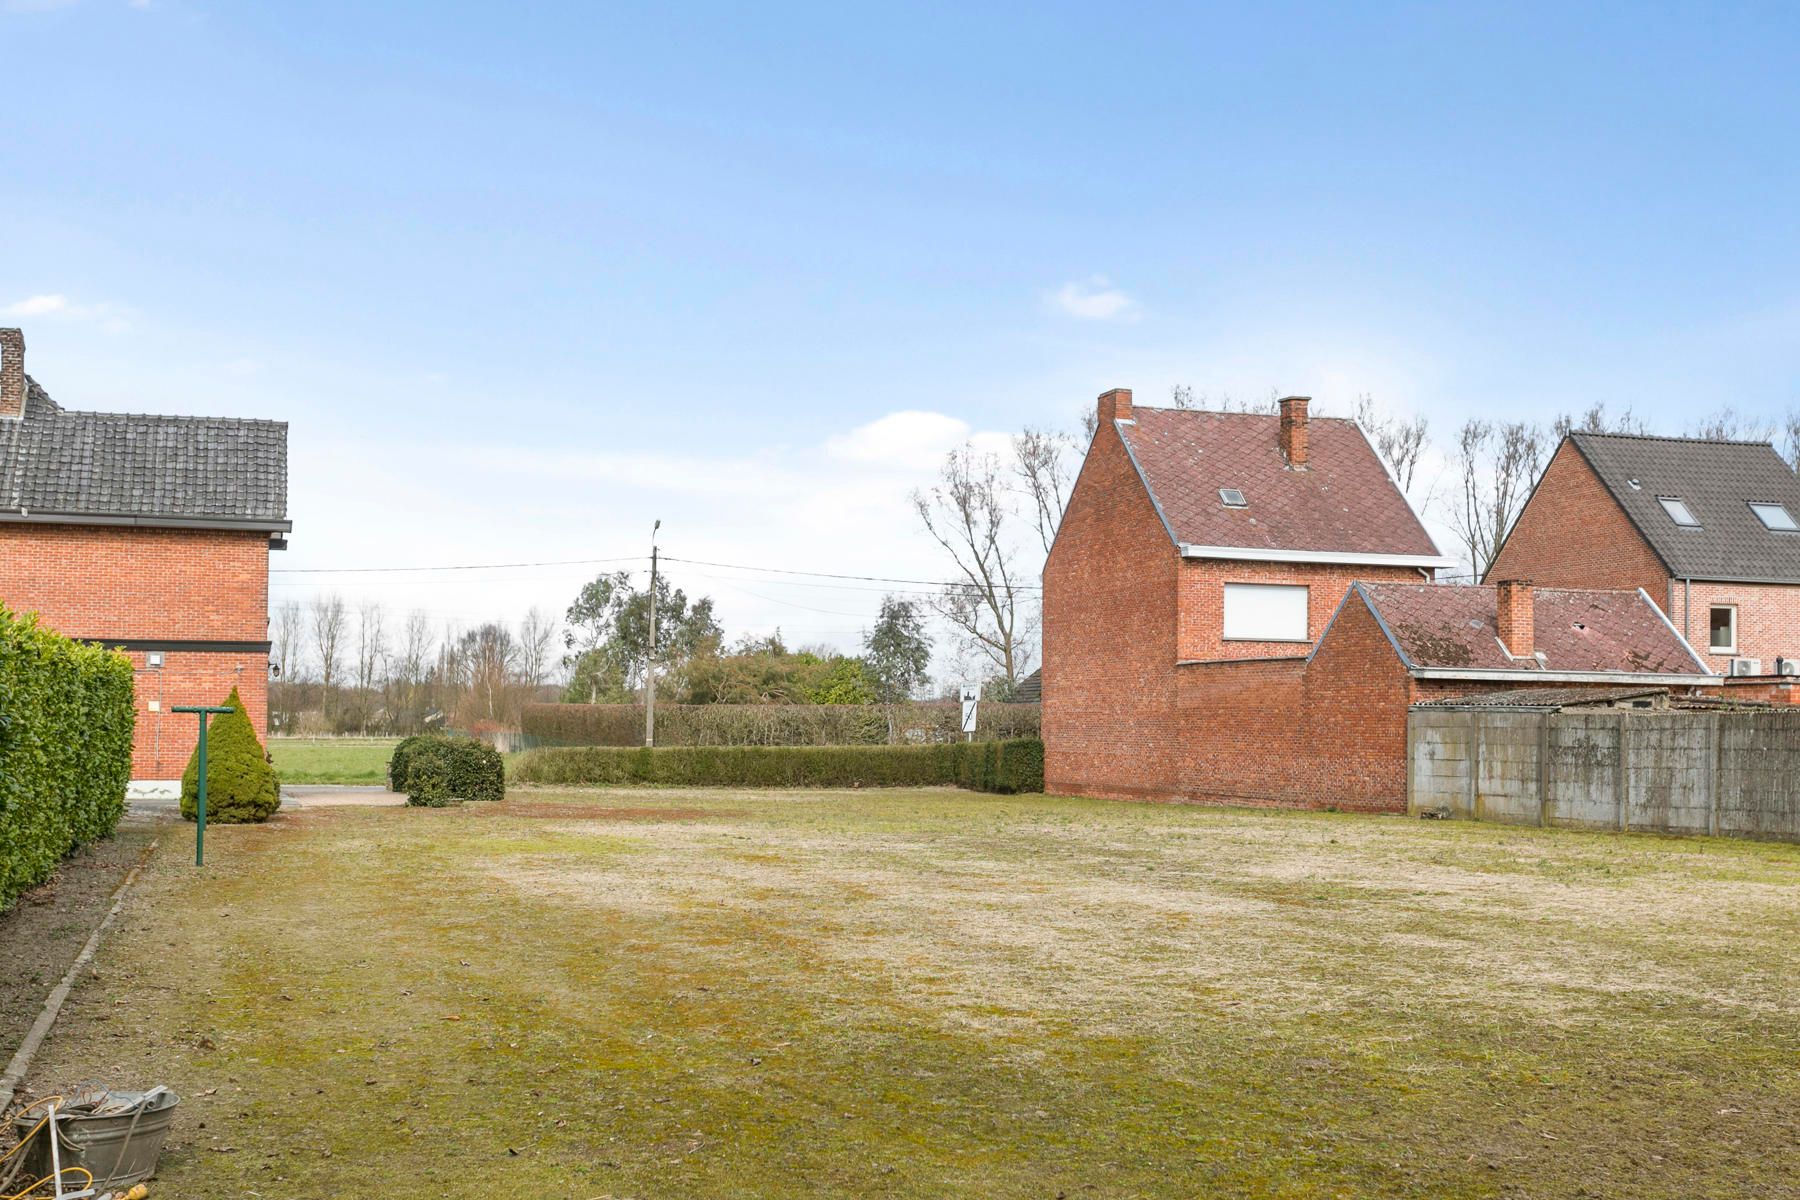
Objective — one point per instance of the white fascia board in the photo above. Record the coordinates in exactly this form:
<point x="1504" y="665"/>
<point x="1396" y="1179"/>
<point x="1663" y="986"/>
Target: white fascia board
<point x="1503" y="675"/>
<point x="1260" y="554"/>
<point x="1685" y="644"/>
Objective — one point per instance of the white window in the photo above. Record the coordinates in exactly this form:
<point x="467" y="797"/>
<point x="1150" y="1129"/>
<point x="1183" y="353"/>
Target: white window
<point x="1678" y="512"/>
<point x="1723" y="623"/>
<point x="1265" y="612"/>
<point x="1774" y="516"/>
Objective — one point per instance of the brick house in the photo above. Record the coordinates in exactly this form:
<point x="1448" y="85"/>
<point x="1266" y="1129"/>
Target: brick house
<point x="1710" y="529"/>
<point x="151" y="533"/>
<point x="1239" y="608"/>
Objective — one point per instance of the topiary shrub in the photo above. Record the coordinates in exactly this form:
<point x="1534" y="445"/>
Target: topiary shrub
<point x="241" y="785"/>
<point x="434" y="769"/>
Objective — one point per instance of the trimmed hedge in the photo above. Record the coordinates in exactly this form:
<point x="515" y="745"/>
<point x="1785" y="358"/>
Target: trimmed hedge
<point x="66" y="718"/>
<point x="1012" y="766"/>
<point x="772" y="724"/>
<point x="241" y="785"/>
<point x="434" y="770"/>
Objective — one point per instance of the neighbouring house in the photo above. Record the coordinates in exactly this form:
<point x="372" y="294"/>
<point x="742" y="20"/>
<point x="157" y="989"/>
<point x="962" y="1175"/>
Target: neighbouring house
<point x="151" y="533"/>
<point x="1239" y="608"/>
<point x="1030" y="689"/>
<point x="1710" y="529"/>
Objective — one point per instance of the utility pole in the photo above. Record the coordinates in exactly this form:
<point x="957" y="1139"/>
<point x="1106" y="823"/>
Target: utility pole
<point x="650" y="657"/>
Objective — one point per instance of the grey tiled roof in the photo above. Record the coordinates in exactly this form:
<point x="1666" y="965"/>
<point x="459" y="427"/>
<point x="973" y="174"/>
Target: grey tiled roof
<point x="1030" y="689"/>
<point x="1717" y="481"/>
<point x="127" y="465"/>
<point x="1547" y="697"/>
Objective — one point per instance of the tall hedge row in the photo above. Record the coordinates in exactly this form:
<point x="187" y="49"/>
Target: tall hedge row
<point x="773" y="724"/>
<point x="66" y="719"/>
<point x="1011" y="766"/>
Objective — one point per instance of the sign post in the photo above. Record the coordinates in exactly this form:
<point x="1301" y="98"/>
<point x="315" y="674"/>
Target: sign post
<point x="205" y="710"/>
<point x="971" y="696"/>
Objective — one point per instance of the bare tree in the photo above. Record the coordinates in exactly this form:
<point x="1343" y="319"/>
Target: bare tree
<point x="371" y="650"/>
<point x="1729" y="425"/>
<point x="1497" y="466"/>
<point x="537" y="646"/>
<point x="1790" y="438"/>
<point x="489" y="654"/>
<point x="286" y="630"/>
<point x="966" y="515"/>
<point x="328" y="619"/>
<point x="1041" y="461"/>
<point x="1598" y="419"/>
<point x="1399" y="442"/>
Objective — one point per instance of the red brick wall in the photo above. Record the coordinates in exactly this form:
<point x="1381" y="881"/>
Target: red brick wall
<point x="114" y="583"/>
<point x="1109" y="637"/>
<point x="1768" y="620"/>
<point x="1202" y="616"/>
<point x="1574" y="534"/>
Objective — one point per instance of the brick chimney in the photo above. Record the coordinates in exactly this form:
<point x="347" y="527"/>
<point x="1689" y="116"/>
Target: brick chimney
<point x="1115" y="406"/>
<point x="1515" y="617"/>
<point x="12" y="374"/>
<point x="1293" y="429"/>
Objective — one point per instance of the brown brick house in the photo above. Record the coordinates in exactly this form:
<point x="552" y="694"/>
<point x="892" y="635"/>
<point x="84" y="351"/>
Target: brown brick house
<point x="147" y="532"/>
<point x="1710" y="529"/>
<point x="1264" y="647"/>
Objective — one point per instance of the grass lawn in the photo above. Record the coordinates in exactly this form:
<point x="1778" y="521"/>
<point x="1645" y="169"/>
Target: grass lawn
<point x="932" y="994"/>
<point x="332" y="760"/>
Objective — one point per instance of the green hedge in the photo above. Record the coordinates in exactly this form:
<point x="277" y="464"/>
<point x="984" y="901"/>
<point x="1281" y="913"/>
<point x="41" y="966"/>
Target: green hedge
<point x="772" y="724"/>
<point x="66" y="718"/>
<point x="241" y="785"/>
<point x="1013" y="766"/>
<point x="434" y="769"/>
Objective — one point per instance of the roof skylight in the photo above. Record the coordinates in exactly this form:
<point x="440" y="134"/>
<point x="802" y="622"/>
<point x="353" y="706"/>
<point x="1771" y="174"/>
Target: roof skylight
<point x="1678" y="511"/>
<point x="1776" y="517"/>
<point x="1233" y="498"/>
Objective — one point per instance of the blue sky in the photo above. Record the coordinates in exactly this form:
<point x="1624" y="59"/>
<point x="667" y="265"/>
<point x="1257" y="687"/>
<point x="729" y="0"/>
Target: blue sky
<point x="523" y="281"/>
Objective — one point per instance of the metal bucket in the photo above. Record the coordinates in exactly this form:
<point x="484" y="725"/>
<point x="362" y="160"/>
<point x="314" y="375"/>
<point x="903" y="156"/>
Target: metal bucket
<point x="120" y="1149"/>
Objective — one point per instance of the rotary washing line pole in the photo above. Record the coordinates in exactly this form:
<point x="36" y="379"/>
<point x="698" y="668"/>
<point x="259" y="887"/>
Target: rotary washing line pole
<point x="204" y="710"/>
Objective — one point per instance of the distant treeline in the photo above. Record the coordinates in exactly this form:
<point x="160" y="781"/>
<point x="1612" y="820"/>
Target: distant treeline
<point x="774" y="724"/>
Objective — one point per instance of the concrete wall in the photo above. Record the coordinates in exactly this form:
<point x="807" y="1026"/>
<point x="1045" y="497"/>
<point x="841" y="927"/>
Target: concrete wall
<point x="1729" y="774"/>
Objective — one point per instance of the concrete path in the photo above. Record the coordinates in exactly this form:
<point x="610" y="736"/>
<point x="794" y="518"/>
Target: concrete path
<point x="308" y="795"/>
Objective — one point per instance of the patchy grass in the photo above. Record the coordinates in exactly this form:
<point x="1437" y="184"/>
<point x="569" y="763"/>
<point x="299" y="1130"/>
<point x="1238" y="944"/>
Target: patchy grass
<point x="332" y="760"/>
<point x="929" y="993"/>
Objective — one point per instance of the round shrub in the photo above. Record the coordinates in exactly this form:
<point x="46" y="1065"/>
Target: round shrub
<point x="241" y="785"/>
<point x="434" y="769"/>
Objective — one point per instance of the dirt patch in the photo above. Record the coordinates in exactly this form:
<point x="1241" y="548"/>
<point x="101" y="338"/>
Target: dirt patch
<point x="589" y="812"/>
<point x="44" y="930"/>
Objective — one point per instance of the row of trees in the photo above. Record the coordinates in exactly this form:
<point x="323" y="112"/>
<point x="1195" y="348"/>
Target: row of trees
<point x="995" y="515"/>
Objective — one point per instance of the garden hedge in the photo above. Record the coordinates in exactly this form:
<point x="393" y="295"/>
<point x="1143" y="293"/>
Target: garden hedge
<point x="1011" y="766"/>
<point x="435" y="769"/>
<point x="241" y="785"/>
<point x="66" y="718"/>
<point x="772" y="724"/>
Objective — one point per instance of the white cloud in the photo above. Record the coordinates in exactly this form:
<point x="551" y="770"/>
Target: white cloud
<point x="1093" y="299"/>
<point x="910" y="440"/>
<point x="57" y="306"/>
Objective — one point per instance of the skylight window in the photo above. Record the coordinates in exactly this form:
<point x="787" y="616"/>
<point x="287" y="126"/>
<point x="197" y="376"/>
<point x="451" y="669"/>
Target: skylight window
<point x="1776" y="517"/>
<point x="1678" y="511"/>
<point x="1233" y="498"/>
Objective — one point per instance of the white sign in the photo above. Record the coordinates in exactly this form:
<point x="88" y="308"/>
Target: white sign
<point x="971" y="696"/>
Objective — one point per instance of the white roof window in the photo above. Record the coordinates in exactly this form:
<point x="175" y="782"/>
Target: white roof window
<point x="1776" y="517"/>
<point x="1232" y="498"/>
<point x="1678" y="511"/>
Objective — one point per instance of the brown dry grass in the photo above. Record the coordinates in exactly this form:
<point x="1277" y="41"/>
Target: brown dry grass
<point x="931" y="993"/>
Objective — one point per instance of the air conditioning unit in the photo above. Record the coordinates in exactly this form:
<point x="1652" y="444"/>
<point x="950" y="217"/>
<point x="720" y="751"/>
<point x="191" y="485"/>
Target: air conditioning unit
<point x="1746" y="666"/>
<point x="1787" y="666"/>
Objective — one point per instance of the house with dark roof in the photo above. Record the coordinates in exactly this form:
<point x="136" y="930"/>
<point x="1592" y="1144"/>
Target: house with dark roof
<point x="1241" y="608"/>
<point x="1709" y="529"/>
<point x="150" y="533"/>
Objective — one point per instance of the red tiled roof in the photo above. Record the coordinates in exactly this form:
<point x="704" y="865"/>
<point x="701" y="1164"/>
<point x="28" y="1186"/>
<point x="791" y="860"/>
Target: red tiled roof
<point x="1456" y="626"/>
<point x="1344" y="502"/>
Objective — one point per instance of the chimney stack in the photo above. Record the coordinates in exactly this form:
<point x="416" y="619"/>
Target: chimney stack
<point x="1293" y="429"/>
<point x="1515" y="617"/>
<point x="1115" y="406"/>
<point x="12" y="374"/>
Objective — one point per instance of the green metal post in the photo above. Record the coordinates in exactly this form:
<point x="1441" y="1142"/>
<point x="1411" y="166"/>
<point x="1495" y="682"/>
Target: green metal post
<point x="205" y="710"/>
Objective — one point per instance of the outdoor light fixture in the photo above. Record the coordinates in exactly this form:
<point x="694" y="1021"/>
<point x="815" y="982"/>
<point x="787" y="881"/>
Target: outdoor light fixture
<point x="154" y="660"/>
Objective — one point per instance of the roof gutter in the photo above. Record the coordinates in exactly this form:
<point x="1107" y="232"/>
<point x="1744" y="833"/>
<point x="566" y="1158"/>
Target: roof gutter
<point x="1616" y="677"/>
<point x="145" y="521"/>
<point x="1348" y="558"/>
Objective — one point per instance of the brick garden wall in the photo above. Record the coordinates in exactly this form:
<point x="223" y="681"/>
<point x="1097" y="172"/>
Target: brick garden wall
<point x="117" y="583"/>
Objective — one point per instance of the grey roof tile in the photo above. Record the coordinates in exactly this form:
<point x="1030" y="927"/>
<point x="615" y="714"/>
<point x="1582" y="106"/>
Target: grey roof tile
<point x="1717" y="481"/>
<point x="128" y="464"/>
